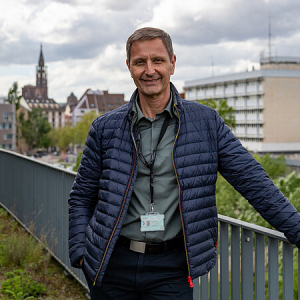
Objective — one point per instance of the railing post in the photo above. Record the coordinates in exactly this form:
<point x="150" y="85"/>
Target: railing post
<point x="287" y="275"/>
<point x="214" y="281"/>
<point x="224" y="265"/>
<point x="259" y="266"/>
<point x="196" y="289"/>
<point x="247" y="264"/>
<point x="235" y="263"/>
<point x="273" y="269"/>
<point x="204" y="287"/>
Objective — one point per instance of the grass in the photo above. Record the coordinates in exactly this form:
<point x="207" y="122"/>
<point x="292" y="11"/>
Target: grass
<point x="20" y="251"/>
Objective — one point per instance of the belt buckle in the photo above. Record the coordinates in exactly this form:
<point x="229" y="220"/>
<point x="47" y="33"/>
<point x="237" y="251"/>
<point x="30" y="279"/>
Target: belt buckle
<point x="137" y="246"/>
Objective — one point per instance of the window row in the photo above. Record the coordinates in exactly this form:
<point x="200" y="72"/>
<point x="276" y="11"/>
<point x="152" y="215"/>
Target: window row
<point x="5" y="125"/>
<point x="6" y="146"/>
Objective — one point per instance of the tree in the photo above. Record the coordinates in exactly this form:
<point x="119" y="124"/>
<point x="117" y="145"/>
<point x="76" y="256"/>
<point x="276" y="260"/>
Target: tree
<point x="62" y="137"/>
<point x="224" y="110"/>
<point x="14" y="98"/>
<point x="35" y="129"/>
<point x="82" y="127"/>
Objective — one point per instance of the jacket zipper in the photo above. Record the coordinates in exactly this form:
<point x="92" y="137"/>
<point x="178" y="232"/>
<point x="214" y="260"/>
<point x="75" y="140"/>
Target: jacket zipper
<point x="190" y="281"/>
<point x="124" y="200"/>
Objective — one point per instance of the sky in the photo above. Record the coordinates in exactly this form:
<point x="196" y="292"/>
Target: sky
<point x="84" y="40"/>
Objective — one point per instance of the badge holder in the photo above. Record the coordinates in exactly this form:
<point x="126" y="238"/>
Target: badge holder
<point x="152" y="221"/>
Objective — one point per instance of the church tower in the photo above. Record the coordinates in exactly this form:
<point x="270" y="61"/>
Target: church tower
<point x="41" y="78"/>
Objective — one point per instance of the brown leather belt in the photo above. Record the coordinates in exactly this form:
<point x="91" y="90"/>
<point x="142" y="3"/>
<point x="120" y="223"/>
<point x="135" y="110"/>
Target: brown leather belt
<point x="150" y="247"/>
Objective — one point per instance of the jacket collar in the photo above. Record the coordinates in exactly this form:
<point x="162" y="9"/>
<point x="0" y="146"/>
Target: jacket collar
<point x="176" y="98"/>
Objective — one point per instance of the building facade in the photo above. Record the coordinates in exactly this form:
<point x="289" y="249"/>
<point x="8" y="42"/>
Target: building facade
<point x="98" y="101"/>
<point x="37" y="96"/>
<point x="7" y="125"/>
<point x="266" y="103"/>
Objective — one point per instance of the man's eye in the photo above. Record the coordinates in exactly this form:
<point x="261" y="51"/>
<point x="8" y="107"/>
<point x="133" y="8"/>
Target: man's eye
<point x="158" y="60"/>
<point x="139" y="62"/>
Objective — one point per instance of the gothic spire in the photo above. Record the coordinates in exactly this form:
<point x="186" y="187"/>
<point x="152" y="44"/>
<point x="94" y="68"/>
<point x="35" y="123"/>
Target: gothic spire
<point x="41" y="60"/>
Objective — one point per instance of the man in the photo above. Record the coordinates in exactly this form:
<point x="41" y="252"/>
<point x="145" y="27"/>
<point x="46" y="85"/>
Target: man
<point x="143" y="216"/>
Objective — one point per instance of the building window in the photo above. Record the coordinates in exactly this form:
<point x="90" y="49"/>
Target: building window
<point x="8" y="116"/>
<point x="6" y="146"/>
<point x="6" y="126"/>
<point x="92" y="105"/>
<point x="8" y="136"/>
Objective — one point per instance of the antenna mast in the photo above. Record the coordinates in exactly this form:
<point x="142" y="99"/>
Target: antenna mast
<point x="270" y="39"/>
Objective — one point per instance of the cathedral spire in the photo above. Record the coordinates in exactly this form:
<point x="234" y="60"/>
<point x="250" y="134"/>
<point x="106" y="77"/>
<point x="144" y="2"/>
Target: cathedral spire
<point x="41" y="77"/>
<point x="41" y="60"/>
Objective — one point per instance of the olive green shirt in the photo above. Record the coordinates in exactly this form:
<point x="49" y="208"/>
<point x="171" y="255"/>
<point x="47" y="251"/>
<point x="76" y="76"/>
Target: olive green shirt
<point x="166" y="190"/>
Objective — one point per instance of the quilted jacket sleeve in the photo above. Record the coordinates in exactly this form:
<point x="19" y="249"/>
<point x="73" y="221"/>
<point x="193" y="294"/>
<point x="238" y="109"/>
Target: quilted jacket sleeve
<point x="83" y="196"/>
<point x="249" y="178"/>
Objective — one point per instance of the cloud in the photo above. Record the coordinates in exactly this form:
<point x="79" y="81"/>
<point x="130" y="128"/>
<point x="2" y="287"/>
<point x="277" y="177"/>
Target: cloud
<point x="84" y="40"/>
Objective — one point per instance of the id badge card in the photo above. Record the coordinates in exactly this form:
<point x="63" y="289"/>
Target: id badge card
<point x="152" y="221"/>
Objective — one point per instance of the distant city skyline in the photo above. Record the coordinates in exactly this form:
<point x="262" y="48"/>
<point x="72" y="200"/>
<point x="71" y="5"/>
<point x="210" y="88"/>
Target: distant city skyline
<point x="84" y="40"/>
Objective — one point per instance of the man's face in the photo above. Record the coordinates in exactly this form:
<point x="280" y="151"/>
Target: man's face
<point x="151" y="68"/>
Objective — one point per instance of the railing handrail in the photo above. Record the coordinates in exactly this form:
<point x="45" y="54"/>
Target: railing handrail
<point x="36" y="161"/>
<point x="253" y="227"/>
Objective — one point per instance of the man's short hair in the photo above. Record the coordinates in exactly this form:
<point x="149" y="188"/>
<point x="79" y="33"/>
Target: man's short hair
<point x="149" y="33"/>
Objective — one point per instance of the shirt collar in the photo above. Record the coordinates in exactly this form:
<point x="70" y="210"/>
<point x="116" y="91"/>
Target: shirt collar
<point x="138" y="114"/>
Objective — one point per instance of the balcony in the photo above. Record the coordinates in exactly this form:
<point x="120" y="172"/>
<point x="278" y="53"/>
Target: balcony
<point x="250" y="256"/>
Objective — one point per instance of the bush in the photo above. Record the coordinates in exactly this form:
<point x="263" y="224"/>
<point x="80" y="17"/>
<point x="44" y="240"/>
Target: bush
<point x="20" y="249"/>
<point x="20" y="285"/>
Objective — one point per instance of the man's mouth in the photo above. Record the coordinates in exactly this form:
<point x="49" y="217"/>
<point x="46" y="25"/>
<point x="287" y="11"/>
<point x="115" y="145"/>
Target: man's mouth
<point x="150" y="80"/>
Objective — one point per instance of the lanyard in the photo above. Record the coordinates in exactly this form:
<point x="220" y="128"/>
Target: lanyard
<point x="150" y="165"/>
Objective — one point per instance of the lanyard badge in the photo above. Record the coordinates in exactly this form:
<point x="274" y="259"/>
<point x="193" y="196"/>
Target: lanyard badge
<point x="153" y="221"/>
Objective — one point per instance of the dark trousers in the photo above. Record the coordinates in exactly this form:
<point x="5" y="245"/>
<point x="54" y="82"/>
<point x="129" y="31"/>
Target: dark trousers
<point x="138" y="276"/>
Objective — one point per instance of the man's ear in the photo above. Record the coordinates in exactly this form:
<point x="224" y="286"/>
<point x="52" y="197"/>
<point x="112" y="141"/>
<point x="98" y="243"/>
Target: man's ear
<point x="128" y="66"/>
<point x="173" y="61"/>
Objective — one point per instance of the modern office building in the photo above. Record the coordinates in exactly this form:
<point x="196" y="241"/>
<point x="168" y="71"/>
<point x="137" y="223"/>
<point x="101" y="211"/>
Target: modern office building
<point x="266" y="103"/>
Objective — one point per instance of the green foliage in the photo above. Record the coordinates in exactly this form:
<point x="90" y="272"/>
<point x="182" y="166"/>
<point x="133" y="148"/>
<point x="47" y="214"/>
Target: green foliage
<point x="20" y="285"/>
<point x="232" y="204"/>
<point x="82" y="127"/>
<point x="21" y="250"/>
<point x="13" y="96"/>
<point x="69" y="136"/>
<point x="275" y="167"/>
<point x="37" y="262"/>
<point x="290" y="187"/>
<point x="78" y="160"/>
<point x="35" y="129"/>
<point x="224" y="110"/>
<point x="62" y="137"/>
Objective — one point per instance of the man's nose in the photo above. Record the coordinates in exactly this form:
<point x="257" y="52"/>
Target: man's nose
<point x="149" y="69"/>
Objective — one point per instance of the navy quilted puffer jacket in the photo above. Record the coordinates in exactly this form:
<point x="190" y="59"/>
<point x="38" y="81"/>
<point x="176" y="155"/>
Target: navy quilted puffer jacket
<point x="203" y="145"/>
